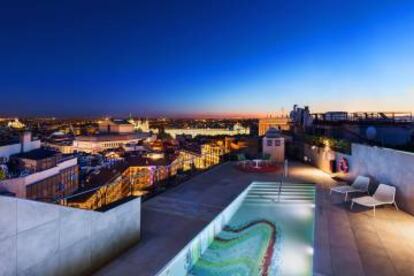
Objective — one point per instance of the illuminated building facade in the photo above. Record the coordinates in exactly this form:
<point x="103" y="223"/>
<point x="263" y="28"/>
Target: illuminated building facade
<point x="190" y="159"/>
<point x="16" y="124"/>
<point x="139" y="125"/>
<point x="237" y="129"/>
<point x="98" y="143"/>
<point x="212" y="153"/>
<point x="281" y="123"/>
<point x="43" y="175"/>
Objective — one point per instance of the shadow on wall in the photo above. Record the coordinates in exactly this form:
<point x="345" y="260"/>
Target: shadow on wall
<point x="45" y="239"/>
<point x="382" y="165"/>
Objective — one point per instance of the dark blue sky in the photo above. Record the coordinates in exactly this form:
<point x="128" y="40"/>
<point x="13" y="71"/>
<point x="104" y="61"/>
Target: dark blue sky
<point x="67" y="58"/>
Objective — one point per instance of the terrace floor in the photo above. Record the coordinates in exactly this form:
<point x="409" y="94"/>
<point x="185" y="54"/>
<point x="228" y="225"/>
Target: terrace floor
<point x="346" y="242"/>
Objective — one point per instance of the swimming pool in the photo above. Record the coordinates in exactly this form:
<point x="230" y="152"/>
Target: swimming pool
<point x="267" y="230"/>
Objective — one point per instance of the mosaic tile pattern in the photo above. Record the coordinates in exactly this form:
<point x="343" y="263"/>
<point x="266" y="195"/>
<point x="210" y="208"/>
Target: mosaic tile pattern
<point x="239" y="250"/>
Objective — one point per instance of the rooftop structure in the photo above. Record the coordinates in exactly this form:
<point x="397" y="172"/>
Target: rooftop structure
<point x="36" y="154"/>
<point x="368" y="117"/>
<point x="274" y="145"/>
<point x="42" y="175"/>
<point x="381" y="128"/>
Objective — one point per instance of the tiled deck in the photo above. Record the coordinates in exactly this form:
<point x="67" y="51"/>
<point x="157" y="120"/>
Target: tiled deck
<point x="346" y="242"/>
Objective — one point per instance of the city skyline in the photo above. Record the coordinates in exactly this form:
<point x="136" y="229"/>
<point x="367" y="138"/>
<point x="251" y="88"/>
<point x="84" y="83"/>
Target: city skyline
<point x="205" y="59"/>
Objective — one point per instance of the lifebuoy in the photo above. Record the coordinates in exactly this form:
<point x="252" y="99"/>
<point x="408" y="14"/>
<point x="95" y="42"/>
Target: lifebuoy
<point x="343" y="165"/>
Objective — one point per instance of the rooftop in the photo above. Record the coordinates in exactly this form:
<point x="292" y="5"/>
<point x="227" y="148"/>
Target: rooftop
<point x="105" y="175"/>
<point x="112" y="137"/>
<point x="346" y="242"/>
<point x="143" y="161"/>
<point x="37" y="154"/>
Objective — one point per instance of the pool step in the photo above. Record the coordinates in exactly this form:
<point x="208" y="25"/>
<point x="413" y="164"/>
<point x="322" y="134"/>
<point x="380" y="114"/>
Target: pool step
<point x="281" y="193"/>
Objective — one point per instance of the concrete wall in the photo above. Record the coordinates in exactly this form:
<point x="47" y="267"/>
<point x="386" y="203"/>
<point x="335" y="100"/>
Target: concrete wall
<point x="32" y="145"/>
<point x="46" y="239"/>
<point x="321" y="157"/>
<point x="7" y="150"/>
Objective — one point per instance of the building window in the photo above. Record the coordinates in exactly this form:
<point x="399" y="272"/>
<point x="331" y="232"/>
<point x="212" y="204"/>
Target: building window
<point x="269" y="142"/>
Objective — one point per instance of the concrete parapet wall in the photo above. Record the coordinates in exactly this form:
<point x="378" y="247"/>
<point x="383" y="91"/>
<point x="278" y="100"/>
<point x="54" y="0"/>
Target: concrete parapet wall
<point x="45" y="239"/>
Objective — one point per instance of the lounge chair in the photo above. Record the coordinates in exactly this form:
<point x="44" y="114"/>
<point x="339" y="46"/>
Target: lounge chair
<point x="384" y="195"/>
<point x="360" y="185"/>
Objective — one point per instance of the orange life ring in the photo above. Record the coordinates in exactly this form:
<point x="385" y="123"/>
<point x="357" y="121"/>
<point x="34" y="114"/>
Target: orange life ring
<point x="343" y="165"/>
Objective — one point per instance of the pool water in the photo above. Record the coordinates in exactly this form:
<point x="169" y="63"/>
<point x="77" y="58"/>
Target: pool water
<point x="270" y="234"/>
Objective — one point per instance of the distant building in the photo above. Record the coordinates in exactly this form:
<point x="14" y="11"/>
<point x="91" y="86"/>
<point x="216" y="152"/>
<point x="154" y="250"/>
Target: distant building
<point x="41" y="175"/>
<point x="274" y="145"/>
<point x="59" y="141"/>
<point x="381" y="128"/>
<point x="65" y="147"/>
<point x="112" y="134"/>
<point x="336" y="116"/>
<point x="212" y="153"/>
<point x="140" y="125"/>
<point x="281" y="123"/>
<point x="128" y="147"/>
<point x="237" y="129"/>
<point x="301" y="117"/>
<point x="191" y="158"/>
<point x="115" y="126"/>
<point x="16" y="124"/>
<point x="133" y="176"/>
<point x="99" y="143"/>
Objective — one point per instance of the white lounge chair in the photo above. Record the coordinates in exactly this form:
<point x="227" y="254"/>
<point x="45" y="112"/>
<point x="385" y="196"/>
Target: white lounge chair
<point x="384" y="195"/>
<point x="360" y="185"/>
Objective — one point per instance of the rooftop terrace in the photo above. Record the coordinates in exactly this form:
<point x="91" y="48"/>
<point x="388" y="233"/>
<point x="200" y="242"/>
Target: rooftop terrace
<point x="346" y="242"/>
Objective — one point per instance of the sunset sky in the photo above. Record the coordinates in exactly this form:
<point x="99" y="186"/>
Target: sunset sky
<point x="184" y="57"/>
